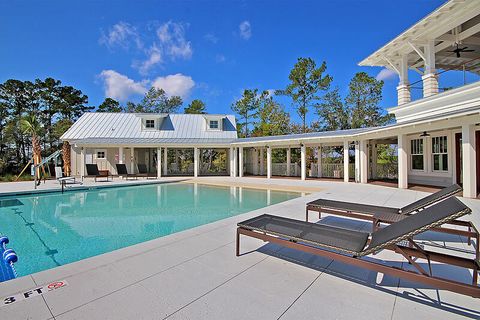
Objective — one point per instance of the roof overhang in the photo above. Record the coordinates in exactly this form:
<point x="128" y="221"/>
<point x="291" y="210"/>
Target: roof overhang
<point x="454" y="21"/>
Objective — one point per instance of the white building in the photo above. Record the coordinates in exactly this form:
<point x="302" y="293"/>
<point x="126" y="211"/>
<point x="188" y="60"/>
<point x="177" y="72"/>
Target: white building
<point x="436" y="135"/>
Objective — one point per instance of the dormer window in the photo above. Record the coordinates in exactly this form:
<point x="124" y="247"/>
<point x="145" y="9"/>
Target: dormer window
<point x="213" y="124"/>
<point x="150" y="124"/>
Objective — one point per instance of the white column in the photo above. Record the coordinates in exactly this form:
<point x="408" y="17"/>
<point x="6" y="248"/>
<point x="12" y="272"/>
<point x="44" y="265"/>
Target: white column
<point x="240" y="161"/>
<point x="262" y="169"/>
<point x="430" y="81"/>
<point x="255" y="161"/>
<point x="289" y="160"/>
<point x="230" y="159"/>
<point x="357" y="161"/>
<point x="195" y="162"/>
<point x="346" y="160"/>
<point x="303" y="162"/>
<point x="120" y="154"/>
<point x="469" y="167"/>
<point x="159" y="163"/>
<point x="269" y="162"/>
<point x="402" y="162"/>
<point x="132" y="160"/>
<point x="403" y="89"/>
<point x="165" y="161"/>
<point x="374" y="160"/>
<point x="319" y="161"/>
<point x="82" y="161"/>
<point x="363" y="161"/>
<point x="235" y="162"/>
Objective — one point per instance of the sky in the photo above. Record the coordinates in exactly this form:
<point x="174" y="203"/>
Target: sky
<point x="208" y="50"/>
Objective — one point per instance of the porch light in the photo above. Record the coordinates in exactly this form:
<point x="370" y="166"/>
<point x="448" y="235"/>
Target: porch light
<point x="425" y="134"/>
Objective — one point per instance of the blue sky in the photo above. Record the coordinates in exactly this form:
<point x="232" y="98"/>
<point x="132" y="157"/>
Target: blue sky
<point x="209" y="50"/>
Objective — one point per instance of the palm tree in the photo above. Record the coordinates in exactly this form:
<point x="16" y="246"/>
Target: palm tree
<point x="66" y="158"/>
<point x="30" y="125"/>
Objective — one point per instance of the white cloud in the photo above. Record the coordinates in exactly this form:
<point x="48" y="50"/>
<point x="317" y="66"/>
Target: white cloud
<point x="121" y="34"/>
<point x="220" y="58"/>
<point x="210" y="37"/>
<point x="172" y="39"/>
<point x="119" y="86"/>
<point x="175" y="85"/>
<point x="245" y="30"/>
<point x="386" y="74"/>
<point x="154" y="57"/>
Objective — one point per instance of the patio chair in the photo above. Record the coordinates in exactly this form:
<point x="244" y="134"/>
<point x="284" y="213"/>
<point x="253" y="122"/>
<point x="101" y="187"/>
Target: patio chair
<point x="380" y="214"/>
<point x="60" y="178"/>
<point x="143" y="171"/>
<point x="92" y="172"/>
<point x="122" y="171"/>
<point x="351" y="247"/>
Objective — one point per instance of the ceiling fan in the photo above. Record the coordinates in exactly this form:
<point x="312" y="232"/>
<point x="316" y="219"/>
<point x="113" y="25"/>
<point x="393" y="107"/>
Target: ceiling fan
<point x="458" y="50"/>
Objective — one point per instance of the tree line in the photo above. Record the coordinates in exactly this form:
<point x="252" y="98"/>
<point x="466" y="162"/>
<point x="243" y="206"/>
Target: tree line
<point x="50" y="108"/>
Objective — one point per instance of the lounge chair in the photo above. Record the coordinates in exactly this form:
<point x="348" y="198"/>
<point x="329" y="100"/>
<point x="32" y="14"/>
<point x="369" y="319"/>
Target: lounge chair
<point x="92" y="172"/>
<point x="143" y="171"/>
<point x="122" y="171"/>
<point x="349" y="246"/>
<point x="60" y="178"/>
<point x="378" y="214"/>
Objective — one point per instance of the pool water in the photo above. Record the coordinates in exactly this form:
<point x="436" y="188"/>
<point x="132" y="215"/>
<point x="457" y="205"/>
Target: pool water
<point x="49" y="230"/>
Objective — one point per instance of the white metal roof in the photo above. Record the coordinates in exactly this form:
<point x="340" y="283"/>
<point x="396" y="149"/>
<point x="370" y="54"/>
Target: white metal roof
<point x="185" y="128"/>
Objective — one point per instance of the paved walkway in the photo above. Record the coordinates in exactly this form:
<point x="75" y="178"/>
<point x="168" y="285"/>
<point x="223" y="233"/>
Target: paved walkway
<point x="194" y="274"/>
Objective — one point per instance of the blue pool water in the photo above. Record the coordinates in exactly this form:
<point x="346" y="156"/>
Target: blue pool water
<point x="54" y="229"/>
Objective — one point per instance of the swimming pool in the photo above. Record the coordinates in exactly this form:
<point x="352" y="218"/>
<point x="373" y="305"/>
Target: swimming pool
<point x="49" y="230"/>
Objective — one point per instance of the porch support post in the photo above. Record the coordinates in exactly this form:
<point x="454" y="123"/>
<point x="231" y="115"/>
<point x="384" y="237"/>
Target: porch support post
<point x="319" y="161"/>
<point x="262" y="169"/>
<point x="403" y="89"/>
<point x="469" y="167"/>
<point x="120" y="154"/>
<point x="303" y="162"/>
<point x="132" y="160"/>
<point x="430" y="81"/>
<point x="195" y="162"/>
<point x="165" y="161"/>
<point x="269" y="162"/>
<point x="230" y="158"/>
<point x="255" y="161"/>
<point x="357" y="161"/>
<point x="240" y="162"/>
<point x="374" y="160"/>
<point x="346" y="160"/>
<point x="363" y="161"/>
<point x="289" y="161"/>
<point x="82" y="161"/>
<point x="159" y="163"/>
<point x="402" y="162"/>
<point x="235" y="166"/>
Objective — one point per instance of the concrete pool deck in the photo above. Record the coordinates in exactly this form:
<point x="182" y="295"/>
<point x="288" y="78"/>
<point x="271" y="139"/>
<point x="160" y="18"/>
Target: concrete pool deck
<point x="194" y="274"/>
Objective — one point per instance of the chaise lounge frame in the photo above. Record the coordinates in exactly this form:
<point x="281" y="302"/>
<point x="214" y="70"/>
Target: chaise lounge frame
<point x="411" y="252"/>
<point x="378" y="215"/>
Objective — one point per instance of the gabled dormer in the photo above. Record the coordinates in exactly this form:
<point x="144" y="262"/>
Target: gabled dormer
<point x="214" y="122"/>
<point x="151" y="121"/>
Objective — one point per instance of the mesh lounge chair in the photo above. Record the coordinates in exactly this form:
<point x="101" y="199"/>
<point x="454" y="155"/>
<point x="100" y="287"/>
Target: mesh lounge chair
<point x="349" y="246"/>
<point x="143" y="171"/>
<point x="92" y="172"/>
<point x="122" y="171"/>
<point x="379" y="214"/>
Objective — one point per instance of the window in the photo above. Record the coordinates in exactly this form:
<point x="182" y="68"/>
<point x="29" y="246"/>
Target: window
<point x="417" y="154"/>
<point x="101" y="154"/>
<point x="439" y="153"/>
<point x="213" y="124"/>
<point x="150" y="124"/>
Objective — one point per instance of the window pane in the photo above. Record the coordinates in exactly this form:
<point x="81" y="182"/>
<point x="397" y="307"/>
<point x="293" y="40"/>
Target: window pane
<point x="417" y="162"/>
<point x="436" y="162"/>
<point x="445" y="162"/>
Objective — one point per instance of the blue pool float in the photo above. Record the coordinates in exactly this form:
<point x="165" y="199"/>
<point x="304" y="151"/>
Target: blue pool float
<point x="7" y="258"/>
